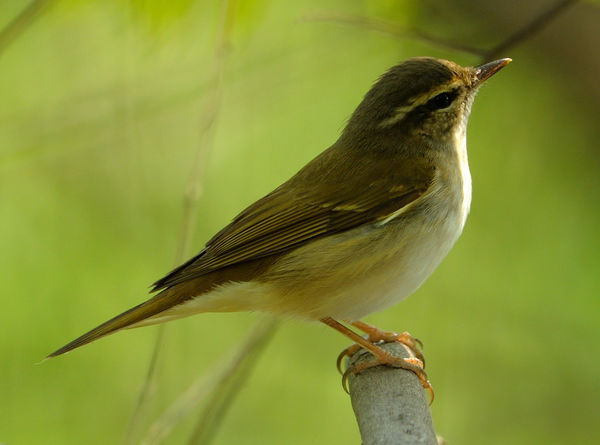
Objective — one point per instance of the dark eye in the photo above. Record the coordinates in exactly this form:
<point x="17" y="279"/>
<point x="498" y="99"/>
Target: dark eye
<point x="441" y="101"/>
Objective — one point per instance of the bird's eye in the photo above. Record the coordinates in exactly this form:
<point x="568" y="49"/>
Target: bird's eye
<point x="441" y="101"/>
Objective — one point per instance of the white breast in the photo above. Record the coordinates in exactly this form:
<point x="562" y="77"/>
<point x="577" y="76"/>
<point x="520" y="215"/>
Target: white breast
<point x="463" y="162"/>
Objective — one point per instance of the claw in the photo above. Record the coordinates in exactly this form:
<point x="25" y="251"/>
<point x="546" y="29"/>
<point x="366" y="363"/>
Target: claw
<point x="345" y="379"/>
<point x="413" y="343"/>
<point x="416" y="363"/>
<point x="419" y="342"/>
<point x="411" y="364"/>
<point x="348" y="352"/>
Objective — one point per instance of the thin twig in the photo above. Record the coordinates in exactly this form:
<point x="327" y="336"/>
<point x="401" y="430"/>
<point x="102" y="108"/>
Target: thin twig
<point x="230" y="373"/>
<point x="208" y="118"/>
<point x="400" y="31"/>
<point x="231" y="381"/>
<point x="392" y="28"/>
<point x="146" y="391"/>
<point x="535" y="26"/>
<point x="21" y="22"/>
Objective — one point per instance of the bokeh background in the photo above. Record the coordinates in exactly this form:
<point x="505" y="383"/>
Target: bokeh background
<point x="106" y="104"/>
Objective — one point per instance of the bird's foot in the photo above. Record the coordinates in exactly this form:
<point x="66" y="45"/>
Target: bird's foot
<point x="376" y="335"/>
<point x="414" y="363"/>
<point x="385" y="358"/>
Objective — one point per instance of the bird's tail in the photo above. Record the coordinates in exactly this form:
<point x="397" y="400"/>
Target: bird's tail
<point x="139" y="315"/>
<point x="169" y="304"/>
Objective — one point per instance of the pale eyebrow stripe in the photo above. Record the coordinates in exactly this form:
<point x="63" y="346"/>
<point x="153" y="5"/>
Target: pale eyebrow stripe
<point x="414" y="102"/>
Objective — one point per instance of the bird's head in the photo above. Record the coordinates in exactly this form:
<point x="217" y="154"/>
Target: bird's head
<point x="422" y="98"/>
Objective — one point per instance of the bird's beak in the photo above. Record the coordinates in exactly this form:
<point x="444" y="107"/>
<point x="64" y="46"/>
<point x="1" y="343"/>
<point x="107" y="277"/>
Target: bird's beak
<point x="487" y="70"/>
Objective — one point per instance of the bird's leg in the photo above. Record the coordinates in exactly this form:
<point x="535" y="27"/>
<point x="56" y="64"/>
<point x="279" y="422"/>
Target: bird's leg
<point x="382" y="357"/>
<point x="378" y="335"/>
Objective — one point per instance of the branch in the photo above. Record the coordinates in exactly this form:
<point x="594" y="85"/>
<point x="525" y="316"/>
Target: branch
<point x="528" y="30"/>
<point x="21" y="22"/>
<point x="232" y="379"/>
<point x="389" y="403"/>
<point x="393" y="29"/>
<point x="400" y="31"/>
<point x="215" y="390"/>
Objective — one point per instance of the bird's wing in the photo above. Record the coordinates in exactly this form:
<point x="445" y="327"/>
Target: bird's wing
<point x="288" y="218"/>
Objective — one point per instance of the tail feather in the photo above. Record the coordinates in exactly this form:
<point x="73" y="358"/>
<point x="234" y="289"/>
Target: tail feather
<point x="149" y="312"/>
<point x="129" y="318"/>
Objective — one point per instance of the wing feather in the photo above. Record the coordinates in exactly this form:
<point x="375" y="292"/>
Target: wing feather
<point x="282" y="221"/>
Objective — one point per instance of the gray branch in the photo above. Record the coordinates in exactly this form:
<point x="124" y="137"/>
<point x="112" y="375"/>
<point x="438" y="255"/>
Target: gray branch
<point x="390" y="404"/>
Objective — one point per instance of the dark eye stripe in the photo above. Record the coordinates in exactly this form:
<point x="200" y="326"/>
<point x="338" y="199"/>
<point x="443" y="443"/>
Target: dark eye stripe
<point x="442" y="100"/>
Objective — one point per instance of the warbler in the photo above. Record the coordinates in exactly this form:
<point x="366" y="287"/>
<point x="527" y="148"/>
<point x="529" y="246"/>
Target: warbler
<point x="356" y="230"/>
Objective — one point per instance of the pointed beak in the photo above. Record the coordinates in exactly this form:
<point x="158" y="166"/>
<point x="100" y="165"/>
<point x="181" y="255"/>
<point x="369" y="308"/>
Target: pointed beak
<point x="485" y="71"/>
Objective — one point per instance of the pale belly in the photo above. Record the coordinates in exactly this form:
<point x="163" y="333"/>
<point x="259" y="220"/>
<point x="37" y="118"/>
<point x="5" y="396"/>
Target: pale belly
<point x="350" y="275"/>
<point x="363" y="275"/>
<point x="346" y="276"/>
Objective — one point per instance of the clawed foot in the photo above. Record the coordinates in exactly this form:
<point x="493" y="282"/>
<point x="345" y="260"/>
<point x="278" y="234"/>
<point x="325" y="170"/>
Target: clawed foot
<point x="415" y="363"/>
<point x="376" y="335"/>
<point x="385" y="358"/>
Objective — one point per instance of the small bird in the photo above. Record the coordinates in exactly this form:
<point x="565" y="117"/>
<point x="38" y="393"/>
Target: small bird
<point x="356" y="230"/>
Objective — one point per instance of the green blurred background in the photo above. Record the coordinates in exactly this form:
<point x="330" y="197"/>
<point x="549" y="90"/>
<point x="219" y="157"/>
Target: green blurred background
<point x="103" y="106"/>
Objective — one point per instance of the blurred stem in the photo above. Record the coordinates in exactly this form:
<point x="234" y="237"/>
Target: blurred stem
<point x="21" y="22"/>
<point x="147" y="388"/>
<point x="216" y="389"/>
<point x="528" y="30"/>
<point x="193" y="190"/>
<point x="397" y="30"/>
<point x="232" y="379"/>
<point x="392" y="28"/>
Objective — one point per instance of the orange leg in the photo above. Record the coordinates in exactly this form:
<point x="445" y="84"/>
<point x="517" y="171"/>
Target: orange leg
<point x="377" y="335"/>
<point x="382" y="357"/>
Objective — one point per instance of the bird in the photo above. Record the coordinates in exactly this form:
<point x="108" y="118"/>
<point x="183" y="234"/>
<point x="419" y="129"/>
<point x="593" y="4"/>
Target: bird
<point x="356" y="230"/>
